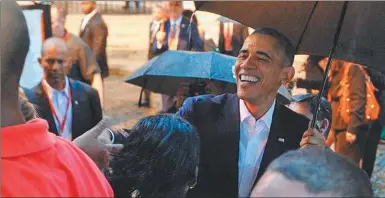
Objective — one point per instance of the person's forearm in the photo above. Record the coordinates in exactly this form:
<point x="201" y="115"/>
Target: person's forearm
<point x="97" y="83"/>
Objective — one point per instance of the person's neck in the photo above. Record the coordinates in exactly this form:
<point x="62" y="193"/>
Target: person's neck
<point x="11" y="116"/>
<point x="56" y="85"/>
<point x="259" y="108"/>
<point x="175" y="19"/>
<point x="62" y="34"/>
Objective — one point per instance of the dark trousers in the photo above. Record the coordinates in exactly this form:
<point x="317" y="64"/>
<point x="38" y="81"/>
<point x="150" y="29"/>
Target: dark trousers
<point x="371" y="147"/>
<point x="354" y="151"/>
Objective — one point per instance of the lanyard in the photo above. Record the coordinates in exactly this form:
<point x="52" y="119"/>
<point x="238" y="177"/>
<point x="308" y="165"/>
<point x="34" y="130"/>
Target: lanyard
<point x="63" y="122"/>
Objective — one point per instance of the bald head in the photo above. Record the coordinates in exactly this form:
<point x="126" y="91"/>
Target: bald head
<point x="55" y="61"/>
<point x="54" y="44"/>
<point x="14" y="42"/>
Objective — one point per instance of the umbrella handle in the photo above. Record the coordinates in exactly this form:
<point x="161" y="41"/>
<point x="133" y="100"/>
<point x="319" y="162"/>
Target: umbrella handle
<point x="325" y="78"/>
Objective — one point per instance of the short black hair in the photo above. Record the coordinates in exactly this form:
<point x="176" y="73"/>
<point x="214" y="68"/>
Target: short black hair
<point x="322" y="170"/>
<point x="286" y="45"/>
<point x="160" y="156"/>
<point x="188" y="14"/>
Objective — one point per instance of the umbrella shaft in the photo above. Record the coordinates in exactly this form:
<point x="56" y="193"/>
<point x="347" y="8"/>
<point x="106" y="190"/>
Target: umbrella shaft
<point x="325" y="79"/>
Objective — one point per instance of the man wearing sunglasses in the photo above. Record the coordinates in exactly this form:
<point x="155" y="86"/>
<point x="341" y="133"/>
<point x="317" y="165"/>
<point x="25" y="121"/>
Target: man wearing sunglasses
<point x="70" y="107"/>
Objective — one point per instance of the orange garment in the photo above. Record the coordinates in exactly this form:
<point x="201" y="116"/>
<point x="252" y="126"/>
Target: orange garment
<point x="228" y="37"/>
<point x="37" y="163"/>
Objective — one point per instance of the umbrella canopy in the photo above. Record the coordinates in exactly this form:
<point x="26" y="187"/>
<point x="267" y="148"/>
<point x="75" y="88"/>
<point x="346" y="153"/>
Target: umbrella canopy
<point x="361" y="40"/>
<point x="165" y="73"/>
<point x="172" y="69"/>
<point x="226" y="20"/>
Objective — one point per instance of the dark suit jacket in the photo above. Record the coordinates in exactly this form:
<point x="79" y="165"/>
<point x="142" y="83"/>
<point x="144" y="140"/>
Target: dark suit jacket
<point x="95" y="35"/>
<point x="86" y="109"/>
<point x="183" y="43"/>
<point x="240" y="33"/>
<point x="217" y="120"/>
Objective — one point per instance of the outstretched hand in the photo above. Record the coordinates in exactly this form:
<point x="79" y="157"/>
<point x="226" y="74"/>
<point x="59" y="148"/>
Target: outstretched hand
<point x="96" y="143"/>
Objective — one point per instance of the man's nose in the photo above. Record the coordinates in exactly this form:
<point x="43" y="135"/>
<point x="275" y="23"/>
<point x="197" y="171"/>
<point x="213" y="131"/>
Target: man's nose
<point x="246" y="63"/>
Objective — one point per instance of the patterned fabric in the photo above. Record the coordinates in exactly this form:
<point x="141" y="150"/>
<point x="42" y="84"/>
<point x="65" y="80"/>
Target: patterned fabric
<point x="378" y="176"/>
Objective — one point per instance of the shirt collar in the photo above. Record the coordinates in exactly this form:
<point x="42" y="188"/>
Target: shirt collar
<point x="27" y="138"/>
<point x="177" y="22"/>
<point x="91" y="14"/>
<point x="51" y="90"/>
<point x="267" y="117"/>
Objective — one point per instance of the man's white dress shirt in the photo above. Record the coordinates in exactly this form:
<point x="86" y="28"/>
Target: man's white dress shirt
<point x="253" y="138"/>
<point x="59" y="100"/>
<point x="87" y="18"/>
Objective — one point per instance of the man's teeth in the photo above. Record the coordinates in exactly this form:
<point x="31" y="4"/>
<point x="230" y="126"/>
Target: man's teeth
<point x="252" y="79"/>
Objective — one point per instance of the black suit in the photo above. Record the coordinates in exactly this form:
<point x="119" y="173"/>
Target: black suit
<point x="86" y="109"/>
<point x="183" y="39"/>
<point x="95" y="35"/>
<point x="217" y="120"/>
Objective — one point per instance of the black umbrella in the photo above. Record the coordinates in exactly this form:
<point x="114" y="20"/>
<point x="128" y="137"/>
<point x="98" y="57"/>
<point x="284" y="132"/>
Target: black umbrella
<point x="362" y="36"/>
<point x="316" y="26"/>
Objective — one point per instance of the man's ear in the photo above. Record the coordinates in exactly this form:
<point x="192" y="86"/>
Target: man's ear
<point x="287" y="74"/>
<point x="40" y="60"/>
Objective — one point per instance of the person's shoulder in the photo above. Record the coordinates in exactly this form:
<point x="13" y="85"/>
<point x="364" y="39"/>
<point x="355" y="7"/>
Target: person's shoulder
<point x="81" y="86"/>
<point x="211" y="99"/>
<point x="77" y="40"/>
<point x="290" y="113"/>
<point x="293" y="118"/>
<point x="82" y="166"/>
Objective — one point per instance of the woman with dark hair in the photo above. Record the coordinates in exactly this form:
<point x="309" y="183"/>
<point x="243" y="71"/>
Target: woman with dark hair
<point x="160" y="159"/>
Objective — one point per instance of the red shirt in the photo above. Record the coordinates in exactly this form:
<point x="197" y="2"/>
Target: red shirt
<point x="37" y="163"/>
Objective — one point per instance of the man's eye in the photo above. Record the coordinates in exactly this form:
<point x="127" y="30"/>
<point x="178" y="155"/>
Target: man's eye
<point x="242" y="56"/>
<point x="262" y="59"/>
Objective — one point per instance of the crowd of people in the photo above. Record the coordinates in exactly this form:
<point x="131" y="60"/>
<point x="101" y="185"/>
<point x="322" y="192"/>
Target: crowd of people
<point x="55" y="141"/>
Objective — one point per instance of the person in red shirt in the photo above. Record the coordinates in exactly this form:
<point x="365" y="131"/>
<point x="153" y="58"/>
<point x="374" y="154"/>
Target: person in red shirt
<point x="34" y="162"/>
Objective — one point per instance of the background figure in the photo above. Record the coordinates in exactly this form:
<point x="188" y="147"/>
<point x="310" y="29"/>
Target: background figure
<point x="350" y="138"/>
<point x="94" y="32"/>
<point x="159" y="18"/>
<point x="160" y="159"/>
<point x="84" y="65"/>
<point x="376" y="136"/>
<point x="175" y="37"/>
<point x="231" y="38"/>
<point x="70" y="107"/>
<point x="208" y="42"/>
<point x="313" y="172"/>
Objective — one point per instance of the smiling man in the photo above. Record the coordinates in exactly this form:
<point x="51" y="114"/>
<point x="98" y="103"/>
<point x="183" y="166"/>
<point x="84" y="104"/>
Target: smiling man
<point x="242" y="133"/>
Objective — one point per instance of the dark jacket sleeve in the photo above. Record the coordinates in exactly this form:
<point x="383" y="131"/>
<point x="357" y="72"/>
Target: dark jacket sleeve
<point x="97" y="113"/>
<point x="357" y="95"/>
<point x="197" y="43"/>
<point x="187" y="110"/>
